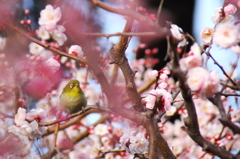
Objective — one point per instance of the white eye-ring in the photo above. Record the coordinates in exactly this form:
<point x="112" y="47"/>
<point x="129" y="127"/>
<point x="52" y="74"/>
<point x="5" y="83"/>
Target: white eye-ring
<point x="71" y="85"/>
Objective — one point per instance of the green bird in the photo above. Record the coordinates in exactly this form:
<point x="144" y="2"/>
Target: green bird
<point x="72" y="98"/>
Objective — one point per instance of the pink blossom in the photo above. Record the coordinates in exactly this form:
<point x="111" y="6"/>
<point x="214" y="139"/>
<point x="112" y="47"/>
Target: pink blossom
<point x="197" y="78"/>
<point x="53" y="64"/>
<point x="20" y="117"/>
<point x="76" y="50"/>
<point x="230" y="9"/>
<point x="151" y="98"/>
<point x="193" y="60"/>
<point x="225" y="35"/>
<point x="49" y="17"/>
<point x="165" y="71"/>
<point x="218" y="14"/>
<point x="37" y="114"/>
<point x="206" y="35"/>
<point x="190" y="62"/>
<point x="163" y="77"/>
<point x="24" y="128"/>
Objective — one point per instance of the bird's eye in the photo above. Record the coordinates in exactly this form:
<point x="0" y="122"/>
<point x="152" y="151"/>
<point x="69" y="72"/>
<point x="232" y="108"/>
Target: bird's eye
<point x="71" y="85"/>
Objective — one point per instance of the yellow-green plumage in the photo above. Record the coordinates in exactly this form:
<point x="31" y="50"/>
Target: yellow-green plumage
<point x="72" y="98"/>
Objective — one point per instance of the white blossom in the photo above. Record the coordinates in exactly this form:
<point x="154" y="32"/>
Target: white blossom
<point x="101" y="129"/>
<point x="226" y="35"/>
<point x="49" y="17"/>
<point x="35" y="48"/>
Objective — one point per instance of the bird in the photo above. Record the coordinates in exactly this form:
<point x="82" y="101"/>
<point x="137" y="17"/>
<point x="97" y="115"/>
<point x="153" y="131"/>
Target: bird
<point x="73" y="99"/>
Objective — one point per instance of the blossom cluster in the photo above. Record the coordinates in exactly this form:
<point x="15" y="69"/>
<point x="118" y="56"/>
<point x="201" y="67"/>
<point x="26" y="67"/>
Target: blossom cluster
<point x="23" y="127"/>
<point x="49" y="30"/>
<point x="226" y="33"/>
<point x="134" y="141"/>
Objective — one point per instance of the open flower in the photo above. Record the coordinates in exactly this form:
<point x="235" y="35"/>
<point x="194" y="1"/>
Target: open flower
<point x="35" y="49"/>
<point x="101" y="129"/>
<point x="20" y="117"/>
<point x="36" y="114"/>
<point x="226" y="35"/>
<point x="151" y="98"/>
<point x="193" y="59"/>
<point x="138" y="144"/>
<point x="230" y="9"/>
<point x="200" y="80"/>
<point x="58" y="35"/>
<point x="49" y="17"/>
<point x="42" y="33"/>
<point x="134" y="142"/>
<point x="30" y="130"/>
<point x="206" y="35"/>
<point x="76" y="50"/>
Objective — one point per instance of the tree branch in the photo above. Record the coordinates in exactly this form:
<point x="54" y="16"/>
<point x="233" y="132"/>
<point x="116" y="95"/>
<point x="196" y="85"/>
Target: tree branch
<point x="119" y="58"/>
<point x="191" y="122"/>
<point x="128" y="12"/>
<point x="225" y="119"/>
<point x="129" y="34"/>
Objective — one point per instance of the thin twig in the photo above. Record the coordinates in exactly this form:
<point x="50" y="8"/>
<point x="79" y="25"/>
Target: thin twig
<point x="233" y="68"/>
<point x="225" y="118"/>
<point x="46" y="46"/>
<point x="225" y="83"/>
<point x="55" y="136"/>
<point x="109" y="151"/>
<point x="222" y="69"/>
<point x="159" y="10"/>
<point x="230" y="94"/>
<point x="128" y="12"/>
<point x="129" y="34"/>
<point x="97" y="109"/>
